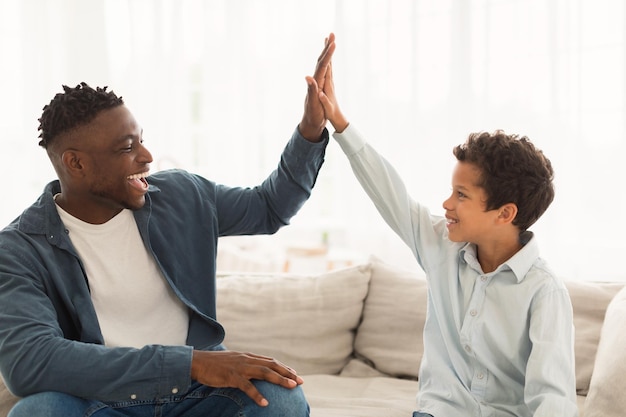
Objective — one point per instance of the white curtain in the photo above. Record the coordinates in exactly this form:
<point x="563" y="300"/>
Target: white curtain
<point x="218" y="86"/>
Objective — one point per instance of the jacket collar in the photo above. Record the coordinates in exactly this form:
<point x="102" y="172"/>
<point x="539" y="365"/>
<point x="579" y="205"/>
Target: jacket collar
<point x="42" y="218"/>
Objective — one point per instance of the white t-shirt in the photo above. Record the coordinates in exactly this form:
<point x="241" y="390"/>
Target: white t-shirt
<point x="134" y="303"/>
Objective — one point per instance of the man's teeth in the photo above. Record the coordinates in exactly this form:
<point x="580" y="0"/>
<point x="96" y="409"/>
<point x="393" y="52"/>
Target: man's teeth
<point x="137" y="176"/>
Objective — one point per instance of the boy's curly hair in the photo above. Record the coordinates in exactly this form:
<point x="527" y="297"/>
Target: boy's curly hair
<point x="72" y="108"/>
<point x="512" y="170"/>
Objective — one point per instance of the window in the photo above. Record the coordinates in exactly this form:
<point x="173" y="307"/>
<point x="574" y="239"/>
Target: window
<point x="219" y="87"/>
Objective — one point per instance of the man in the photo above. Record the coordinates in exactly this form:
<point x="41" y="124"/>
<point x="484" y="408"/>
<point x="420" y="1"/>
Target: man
<point x="107" y="282"/>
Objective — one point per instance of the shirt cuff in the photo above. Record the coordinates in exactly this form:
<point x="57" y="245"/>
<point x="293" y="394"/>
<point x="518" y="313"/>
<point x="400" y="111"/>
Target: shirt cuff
<point x="350" y="140"/>
<point x="322" y="143"/>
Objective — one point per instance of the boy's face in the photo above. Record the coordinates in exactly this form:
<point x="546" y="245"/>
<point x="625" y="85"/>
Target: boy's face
<point x="465" y="208"/>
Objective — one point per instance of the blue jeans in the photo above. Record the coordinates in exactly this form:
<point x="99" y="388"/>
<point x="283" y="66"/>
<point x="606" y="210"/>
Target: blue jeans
<point x="199" y="401"/>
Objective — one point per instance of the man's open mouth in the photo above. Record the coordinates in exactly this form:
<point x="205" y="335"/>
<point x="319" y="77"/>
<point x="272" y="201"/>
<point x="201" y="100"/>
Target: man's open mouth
<point x="139" y="180"/>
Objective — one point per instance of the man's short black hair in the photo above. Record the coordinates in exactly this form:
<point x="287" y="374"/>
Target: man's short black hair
<point x="74" y="107"/>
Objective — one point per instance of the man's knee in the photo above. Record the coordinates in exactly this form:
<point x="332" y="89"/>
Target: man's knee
<point x="283" y="402"/>
<point x="50" y="404"/>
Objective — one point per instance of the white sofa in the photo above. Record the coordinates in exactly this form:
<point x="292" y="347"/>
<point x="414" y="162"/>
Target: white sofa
<point x="355" y="335"/>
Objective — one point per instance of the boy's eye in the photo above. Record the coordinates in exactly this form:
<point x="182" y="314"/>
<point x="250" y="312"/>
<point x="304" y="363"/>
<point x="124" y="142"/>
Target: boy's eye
<point x="460" y="194"/>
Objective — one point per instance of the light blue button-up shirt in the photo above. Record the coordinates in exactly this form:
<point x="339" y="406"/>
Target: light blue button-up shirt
<point x="495" y="344"/>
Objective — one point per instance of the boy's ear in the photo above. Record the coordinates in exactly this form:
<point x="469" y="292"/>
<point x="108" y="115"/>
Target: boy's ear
<point x="507" y="213"/>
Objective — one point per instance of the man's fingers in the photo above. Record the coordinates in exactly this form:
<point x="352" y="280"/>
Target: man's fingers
<point x="271" y="370"/>
<point x="324" y="59"/>
<point x="274" y="372"/>
<point x="327" y="43"/>
<point x="312" y="85"/>
<point x="248" y="387"/>
<point x="238" y="370"/>
<point x="322" y="65"/>
<point x="256" y="355"/>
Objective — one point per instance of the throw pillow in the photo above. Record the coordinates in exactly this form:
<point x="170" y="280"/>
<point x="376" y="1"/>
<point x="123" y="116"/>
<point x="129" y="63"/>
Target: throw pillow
<point x="589" y="301"/>
<point x="305" y="321"/>
<point x="390" y="337"/>
<point x="606" y="391"/>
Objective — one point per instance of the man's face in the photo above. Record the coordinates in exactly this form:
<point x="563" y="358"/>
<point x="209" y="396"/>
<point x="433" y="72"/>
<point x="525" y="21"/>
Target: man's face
<point x="114" y="163"/>
<point x="465" y="208"/>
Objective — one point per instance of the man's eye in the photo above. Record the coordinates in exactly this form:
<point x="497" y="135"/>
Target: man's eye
<point x="460" y="194"/>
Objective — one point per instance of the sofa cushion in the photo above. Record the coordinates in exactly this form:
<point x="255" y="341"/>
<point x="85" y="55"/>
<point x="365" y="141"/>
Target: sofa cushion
<point x="305" y="321"/>
<point x="390" y="337"/>
<point x="589" y="301"/>
<point x="606" y="391"/>
<point x="341" y="396"/>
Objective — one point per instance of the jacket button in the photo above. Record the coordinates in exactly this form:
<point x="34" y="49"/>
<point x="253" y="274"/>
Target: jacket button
<point x="133" y="397"/>
<point x="174" y="390"/>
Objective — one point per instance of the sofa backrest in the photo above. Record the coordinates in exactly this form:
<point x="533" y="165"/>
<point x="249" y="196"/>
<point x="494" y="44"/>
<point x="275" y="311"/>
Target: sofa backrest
<point x="387" y="335"/>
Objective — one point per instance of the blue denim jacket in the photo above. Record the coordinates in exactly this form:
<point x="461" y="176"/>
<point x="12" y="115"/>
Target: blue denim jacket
<point x="50" y="339"/>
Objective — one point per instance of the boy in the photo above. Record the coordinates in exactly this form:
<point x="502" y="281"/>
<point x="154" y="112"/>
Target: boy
<point x="499" y="329"/>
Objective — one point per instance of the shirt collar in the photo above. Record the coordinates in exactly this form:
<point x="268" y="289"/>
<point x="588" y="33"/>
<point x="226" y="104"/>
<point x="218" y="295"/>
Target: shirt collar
<point x="519" y="264"/>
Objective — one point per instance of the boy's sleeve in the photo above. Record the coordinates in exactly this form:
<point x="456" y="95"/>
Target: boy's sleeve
<point x="550" y="388"/>
<point x="411" y="221"/>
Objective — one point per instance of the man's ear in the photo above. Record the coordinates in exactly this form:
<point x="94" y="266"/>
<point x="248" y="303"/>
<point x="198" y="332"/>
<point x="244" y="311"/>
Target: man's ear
<point x="73" y="163"/>
<point x="507" y="213"/>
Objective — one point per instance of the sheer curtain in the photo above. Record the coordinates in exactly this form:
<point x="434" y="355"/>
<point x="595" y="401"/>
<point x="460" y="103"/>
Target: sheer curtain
<point x="218" y="87"/>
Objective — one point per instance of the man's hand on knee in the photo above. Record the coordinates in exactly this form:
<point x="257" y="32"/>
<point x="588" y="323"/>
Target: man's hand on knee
<point x="237" y="369"/>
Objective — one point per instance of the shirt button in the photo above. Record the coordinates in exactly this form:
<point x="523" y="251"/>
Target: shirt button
<point x="480" y="376"/>
<point x="473" y="313"/>
<point x="133" y="396"/>
<point x="468" y="349"/>
<point x="174" y="390"/>
<point x="483" y="278"/>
